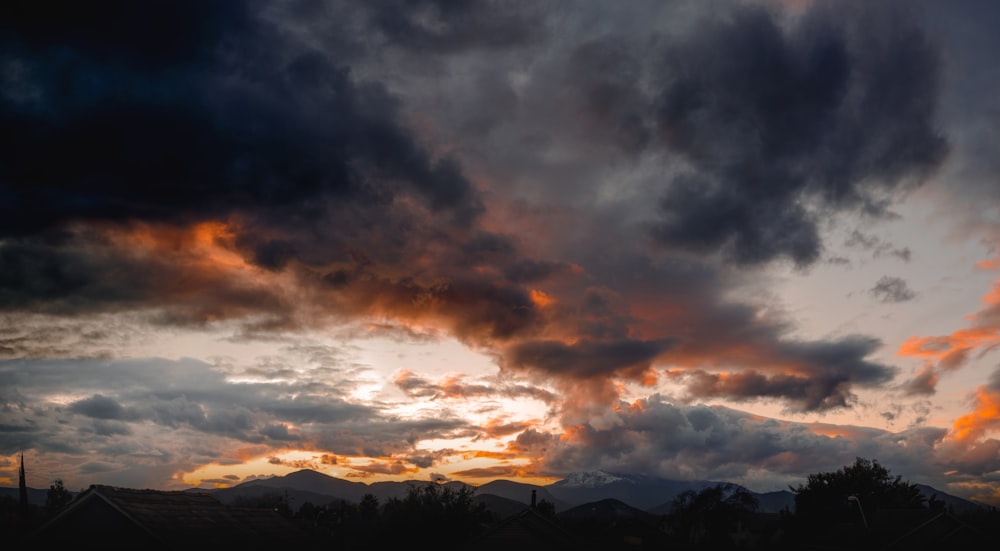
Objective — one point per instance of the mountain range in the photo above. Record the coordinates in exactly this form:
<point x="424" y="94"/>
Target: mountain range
<point x="642" y="492"/>
<point x="589" y="490"/>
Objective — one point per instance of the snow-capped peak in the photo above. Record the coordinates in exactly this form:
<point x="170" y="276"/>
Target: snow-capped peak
<point x="590" y="479"/>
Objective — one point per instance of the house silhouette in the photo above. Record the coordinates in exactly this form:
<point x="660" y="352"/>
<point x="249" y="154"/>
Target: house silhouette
<point x="109" y="516"/>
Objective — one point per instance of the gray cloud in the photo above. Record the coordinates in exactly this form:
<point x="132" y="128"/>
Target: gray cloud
<point x="419" y="387"/>
<point x="447" y="27"/>
<point x="877" y="246"/>
<point x="586" y="359"/>
<point x="892" y="289"/>
<point x="153" y="418"/>
<point x="837" y="113"/>
<point x="98" y="407"/>
<point x="717" y="443"/>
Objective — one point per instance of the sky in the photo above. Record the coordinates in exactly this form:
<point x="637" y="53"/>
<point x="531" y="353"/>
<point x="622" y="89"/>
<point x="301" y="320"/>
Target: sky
<point x="739" y="240"/>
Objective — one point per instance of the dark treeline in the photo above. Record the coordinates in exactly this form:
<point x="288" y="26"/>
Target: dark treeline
<point x="431" y="513"/>
<point x="860" y="506"/>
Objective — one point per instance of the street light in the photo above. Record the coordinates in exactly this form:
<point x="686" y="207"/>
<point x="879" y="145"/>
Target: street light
<point x="860" y="508"/>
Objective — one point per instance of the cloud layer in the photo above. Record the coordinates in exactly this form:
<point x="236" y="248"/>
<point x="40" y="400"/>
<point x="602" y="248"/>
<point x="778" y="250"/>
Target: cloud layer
<point x="589" y="197"/>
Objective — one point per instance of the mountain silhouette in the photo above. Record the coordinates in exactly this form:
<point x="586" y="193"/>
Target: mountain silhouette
<point x="645" y="493"/>
<point x="642" y="492"/>
<point x="605" y="508"/>
<point x="518" y="491"/>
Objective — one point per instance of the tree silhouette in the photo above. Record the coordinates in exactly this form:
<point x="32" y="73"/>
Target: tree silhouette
<point x="56" y="498"/>
<point x="451" y="516"/>
<point x="546" y="508"/>
<point x="708" y="517"/>
<point x="368" y="508"/>
<point x="858" y="506"/>
<point x="856" y="491"/>
<point x="279" y="501"/>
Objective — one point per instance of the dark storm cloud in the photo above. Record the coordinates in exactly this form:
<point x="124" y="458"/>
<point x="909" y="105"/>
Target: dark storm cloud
<point x="307" y="165"/>
<point x="973" y="117"/>
<point x="835" y="112"/>
<point x="122" y="126"/>
<point x="712" y="335"/>
<point x="471" y="307"/>
<point x="278" y="432"/>
<point x="69" y="272"/>
<point x="605" y="76"/>
<point x="806" y="393"/>
<point x="892" y="289"/>
<point x="586" y="359"/>
<point x="820" y="375"/>
<point x="155" y="35"/>
<point x="530" y="270"/>
<point x="445" y="26"/>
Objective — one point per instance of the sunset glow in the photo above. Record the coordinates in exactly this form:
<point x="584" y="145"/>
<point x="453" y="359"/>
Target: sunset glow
<point x="747" y="240"/>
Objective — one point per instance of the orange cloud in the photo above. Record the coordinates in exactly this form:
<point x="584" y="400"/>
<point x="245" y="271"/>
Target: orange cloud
<point x="541" y="299"/>
<point x="846" y="432"/>
<point x="991" y="264"/>
<point x="498" y="471"/>
<point x="984" y="417"/>
<point x="484" y="454"/>
<point x="574" y="433"/>
<point x="387" y="468"/>
<point x="196" y="273"/>
<point x="952" y="351"/>
<point x="454" y="386"/>
<point x="206" y="244"/>
<point x="950" y="346"/>
<point x="497" y="428"/>
<point x="532" y="443"/>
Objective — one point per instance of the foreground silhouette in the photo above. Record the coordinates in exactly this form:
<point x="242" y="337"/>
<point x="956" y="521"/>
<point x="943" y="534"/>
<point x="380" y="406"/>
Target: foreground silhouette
<point x="861" y="506"/>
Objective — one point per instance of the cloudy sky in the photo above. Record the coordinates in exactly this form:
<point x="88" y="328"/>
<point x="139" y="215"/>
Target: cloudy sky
<point x="742" y="240"/>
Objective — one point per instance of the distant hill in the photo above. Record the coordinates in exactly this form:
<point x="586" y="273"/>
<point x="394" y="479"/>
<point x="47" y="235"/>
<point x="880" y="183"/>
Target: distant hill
<point x="609" y="508"/>
<point x="304" y="480"/>
<point x="501" y="507"/>
<point x="296" y="498"/>
<point x="775" y="502"/>
<point x="640" y="491"/>
<point x="35" y="496"/>
<point x="320" y="489"/>
<point x="520" y="492"/>
<point x="955" y="505"/>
